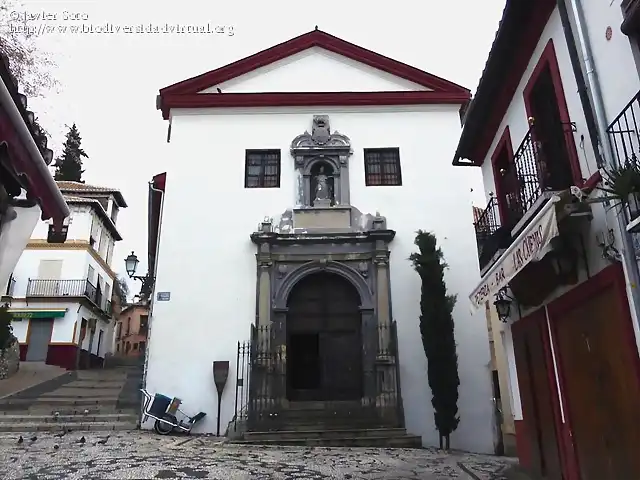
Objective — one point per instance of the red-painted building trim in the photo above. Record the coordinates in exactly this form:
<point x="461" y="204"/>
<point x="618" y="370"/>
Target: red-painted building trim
<point x="504" y="142"/>
<point x="312" y="99"/>
<point x="539" y="317"/>
<point x="30" y="176"/>
<point x="549" y="60"/>
<point x="612" y="275"/>
<point x="185" y="94"/>
<point x="518" y="35"/>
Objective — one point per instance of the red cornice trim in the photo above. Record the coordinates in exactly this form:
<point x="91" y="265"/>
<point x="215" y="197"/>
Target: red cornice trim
<point x="443" y="91"/>
<point x="312" y="99"/>
<point x="315" y="38"/>
<point x="497" y="88"/>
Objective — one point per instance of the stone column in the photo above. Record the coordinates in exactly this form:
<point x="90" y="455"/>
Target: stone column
<point x="381" y="261"/>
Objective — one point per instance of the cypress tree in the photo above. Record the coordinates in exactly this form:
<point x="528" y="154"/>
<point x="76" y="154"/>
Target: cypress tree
<point x="69" y="164"/>
<point x="438" y="337"/>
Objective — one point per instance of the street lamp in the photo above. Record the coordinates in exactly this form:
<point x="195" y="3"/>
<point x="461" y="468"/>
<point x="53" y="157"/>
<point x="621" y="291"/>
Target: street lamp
<point x="131" y="265"/>
<point x="503" y="305"/>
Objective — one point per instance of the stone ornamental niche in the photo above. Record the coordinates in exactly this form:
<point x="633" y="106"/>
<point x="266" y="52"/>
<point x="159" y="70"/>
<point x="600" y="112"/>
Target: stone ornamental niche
<point x="322" y="160"/>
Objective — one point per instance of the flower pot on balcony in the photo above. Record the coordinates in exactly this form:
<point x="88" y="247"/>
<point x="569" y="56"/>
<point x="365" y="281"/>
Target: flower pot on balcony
<point x="622" y="184"/>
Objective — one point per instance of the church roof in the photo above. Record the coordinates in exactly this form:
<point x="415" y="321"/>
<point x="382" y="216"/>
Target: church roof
<point x="186" y="94"/>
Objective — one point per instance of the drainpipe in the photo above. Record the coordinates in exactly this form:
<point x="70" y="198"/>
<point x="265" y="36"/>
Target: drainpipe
<point x="151" y="268"/>
<point x="595" y="107"/>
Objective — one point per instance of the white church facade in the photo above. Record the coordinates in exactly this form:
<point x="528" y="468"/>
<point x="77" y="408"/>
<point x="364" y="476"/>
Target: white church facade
<point x="305" y="209"/>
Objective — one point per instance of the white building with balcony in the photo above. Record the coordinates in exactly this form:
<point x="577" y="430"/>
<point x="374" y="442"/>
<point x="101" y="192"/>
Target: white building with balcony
<point x="557" y="109"/>
<point x="60" y="294"/>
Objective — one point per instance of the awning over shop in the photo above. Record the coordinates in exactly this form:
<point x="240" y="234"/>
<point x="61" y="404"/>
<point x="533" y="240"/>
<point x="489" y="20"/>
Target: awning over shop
<point x="20" y="313"/>
<point x="530" y="246"/>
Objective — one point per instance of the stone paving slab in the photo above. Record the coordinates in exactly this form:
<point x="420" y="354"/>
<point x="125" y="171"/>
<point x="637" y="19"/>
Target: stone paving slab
<point x="142" y="455"/>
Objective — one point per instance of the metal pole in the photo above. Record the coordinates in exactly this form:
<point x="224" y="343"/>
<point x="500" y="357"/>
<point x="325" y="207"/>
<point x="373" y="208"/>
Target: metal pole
<point x="628" y="252"/>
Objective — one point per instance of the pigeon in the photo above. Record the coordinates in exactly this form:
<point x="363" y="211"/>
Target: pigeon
<point x="20" y="440"/>
<point x="218" y="89"/>
<point x="82" y="440"/>
<point x="104" y="440"/>
<point x="34" y="438"/>
<point x="56" y="447"/>
<point x="86" y="412"/>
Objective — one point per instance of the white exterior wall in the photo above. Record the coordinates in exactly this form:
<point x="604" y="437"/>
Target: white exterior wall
<point x="79" y="225"/>
<point x="614" y="59"/>
<point x="619" y="81"/>
<point x="75" y="265"/>
<point x="307" y="72"/>
<point x="213" y="289"/>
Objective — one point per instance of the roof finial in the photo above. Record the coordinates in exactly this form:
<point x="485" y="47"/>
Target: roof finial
<point x="316" y="27"/>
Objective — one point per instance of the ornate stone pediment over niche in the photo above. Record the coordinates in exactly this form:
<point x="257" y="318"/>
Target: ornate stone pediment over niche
<point x="322" y="159"/>
<point x="320" y="138"/>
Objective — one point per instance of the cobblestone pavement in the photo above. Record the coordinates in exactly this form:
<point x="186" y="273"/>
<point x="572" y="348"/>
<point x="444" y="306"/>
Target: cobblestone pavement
<point x="140" y="455"/>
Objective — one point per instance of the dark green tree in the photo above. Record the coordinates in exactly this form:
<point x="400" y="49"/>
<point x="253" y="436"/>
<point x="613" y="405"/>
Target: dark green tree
<point x="6" y="330"/>
<point x="438" y="337"/>
<point x="69" y="164"/>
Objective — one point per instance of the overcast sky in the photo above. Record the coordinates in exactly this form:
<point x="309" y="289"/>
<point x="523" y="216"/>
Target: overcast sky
<point x="109" y="81"/>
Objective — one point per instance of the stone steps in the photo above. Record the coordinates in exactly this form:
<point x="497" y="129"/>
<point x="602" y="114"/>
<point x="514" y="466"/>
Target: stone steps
<point x="40" y="410"/>
<point x="324" y="433"/>
<point x="403" y="441"/>
<point x="74" y="426"/>
<point x="28" y="417"/>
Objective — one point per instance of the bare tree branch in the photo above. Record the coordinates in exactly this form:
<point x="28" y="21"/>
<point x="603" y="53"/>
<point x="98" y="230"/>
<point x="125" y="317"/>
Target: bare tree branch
<point x="31" y="66"/>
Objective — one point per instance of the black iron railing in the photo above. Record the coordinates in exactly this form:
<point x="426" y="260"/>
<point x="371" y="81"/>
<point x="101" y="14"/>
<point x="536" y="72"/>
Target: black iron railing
<point x="261" y="385"/>
<point x="529" y="177"/>
<point x="539" y="167"/>
<point x="488" y="222"/>
<point x="624" y="133"/>
<point x="11" y="285"/>
<point x="67" y="288"/>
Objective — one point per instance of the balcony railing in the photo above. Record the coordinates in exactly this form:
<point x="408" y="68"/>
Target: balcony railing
<point x="487" y="222"/>
<point x="534" y="174"/>
<point x="624" y="133"/>
<point x="68" y="288"/>
<point x="11" y="285"/>
<point x="490" y="236"/>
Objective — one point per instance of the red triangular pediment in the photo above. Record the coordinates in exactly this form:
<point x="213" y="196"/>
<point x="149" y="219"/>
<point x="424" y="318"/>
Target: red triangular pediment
<point x="182" y="94"/>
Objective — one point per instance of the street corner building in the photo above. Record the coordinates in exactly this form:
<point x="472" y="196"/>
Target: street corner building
<point x="283" y="230"/>
<point x="545" y="127"/>
<point x="60" y="294"/>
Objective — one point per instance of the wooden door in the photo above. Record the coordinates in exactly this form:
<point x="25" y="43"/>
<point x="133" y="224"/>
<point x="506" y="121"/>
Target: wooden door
<point x="600" y="384"/>
<point x="537" y="394"/>
<point x="324" y="310"/>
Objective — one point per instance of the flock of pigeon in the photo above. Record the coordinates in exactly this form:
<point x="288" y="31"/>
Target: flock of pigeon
<point x="81" y="441"/>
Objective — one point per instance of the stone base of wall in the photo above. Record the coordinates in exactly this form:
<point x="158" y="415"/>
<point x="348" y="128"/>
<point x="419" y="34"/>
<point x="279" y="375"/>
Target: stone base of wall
<point x="10" y="361"/>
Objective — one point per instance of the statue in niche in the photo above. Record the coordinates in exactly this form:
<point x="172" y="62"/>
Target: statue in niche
<point x="323" y="188"/>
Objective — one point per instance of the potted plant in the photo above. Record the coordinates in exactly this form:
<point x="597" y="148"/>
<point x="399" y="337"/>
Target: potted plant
<point x="622" y="184"/>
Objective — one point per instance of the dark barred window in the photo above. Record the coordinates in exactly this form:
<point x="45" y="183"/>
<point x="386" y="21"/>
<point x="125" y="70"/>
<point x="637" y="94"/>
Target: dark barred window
<point x="382" y="166"/>
<point x="262" y="169"/>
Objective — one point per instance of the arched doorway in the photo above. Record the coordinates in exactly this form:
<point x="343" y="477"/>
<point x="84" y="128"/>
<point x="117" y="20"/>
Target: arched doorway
<point x="324" y="339"/>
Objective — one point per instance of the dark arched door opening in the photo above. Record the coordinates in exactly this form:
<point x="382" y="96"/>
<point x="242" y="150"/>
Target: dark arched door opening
<point x="324" y="339"/>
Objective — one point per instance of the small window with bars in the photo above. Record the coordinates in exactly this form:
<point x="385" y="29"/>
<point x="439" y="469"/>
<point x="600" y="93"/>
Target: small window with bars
<point x="382" y="167"/>
<point x="262" y="169"/>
